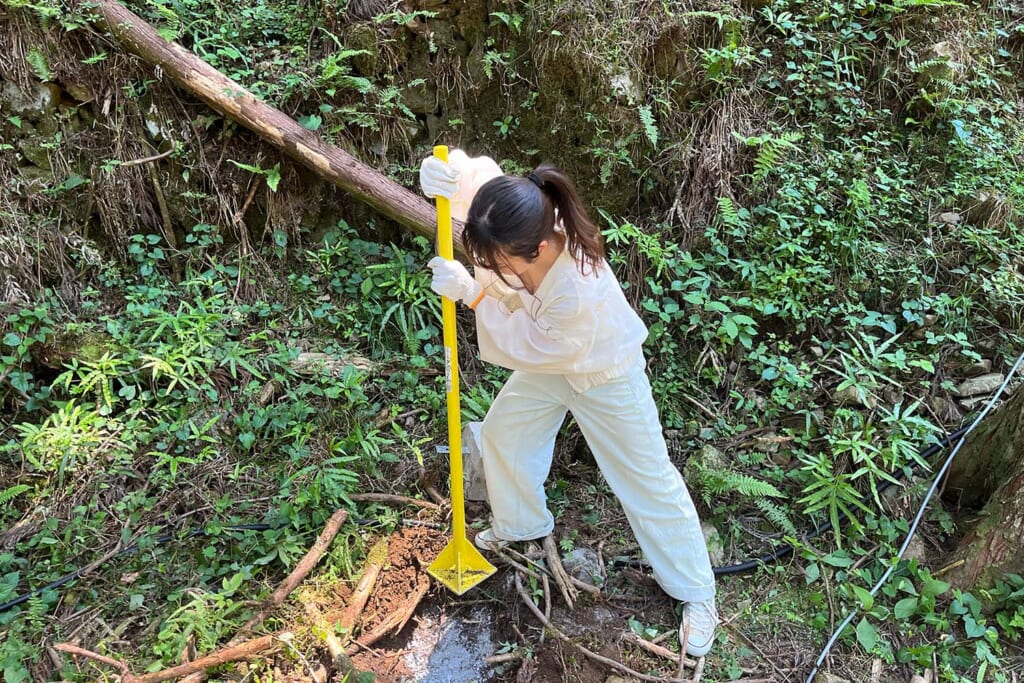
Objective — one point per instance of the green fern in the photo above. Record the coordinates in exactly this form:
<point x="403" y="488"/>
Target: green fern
<point x="37" y="60"/>
<point x="12" y="492"/>
<point x="650" y="127"/>
<point x="716" y="482"/>
<point x="776" y="515"/>
<point x="770" y="149"/>
<point x="730" y="214"/>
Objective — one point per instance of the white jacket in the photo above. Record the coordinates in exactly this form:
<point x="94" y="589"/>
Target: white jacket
<point x="577" y="325"/>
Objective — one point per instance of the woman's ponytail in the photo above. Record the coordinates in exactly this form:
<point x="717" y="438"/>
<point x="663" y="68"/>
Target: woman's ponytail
<point x="584" y="239"/>
<point x="511" y="216"/>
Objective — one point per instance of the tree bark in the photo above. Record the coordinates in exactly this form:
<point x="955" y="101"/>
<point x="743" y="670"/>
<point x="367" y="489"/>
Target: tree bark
<point x="989" y="472"/>
<point x="234" y="101"/>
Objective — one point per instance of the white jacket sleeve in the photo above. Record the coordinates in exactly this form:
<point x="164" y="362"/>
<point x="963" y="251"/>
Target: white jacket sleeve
<point x="473" y="173"/>
<point x="518" y="341"/>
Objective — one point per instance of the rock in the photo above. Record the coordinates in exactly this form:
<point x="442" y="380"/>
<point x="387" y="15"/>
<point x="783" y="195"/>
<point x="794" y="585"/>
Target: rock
<point x="584" y="564"/>
<point x="851" y="396"/>
<point x="619" y="679"/>
<point x="916" y="550"/>
<point x="421" y="99"/>
<point x="310" y="363"/>
<point x="35" y="153"/>
<point x="970" y="404"/>
<point x="982" y="367"/>
<point x="824" y="677"/>
<point x="945" y="409"/>
<point x="41" y="101"/>
<point x="950" y="217"/>
<point x="985" y="384"/>
<point x="714" y="542"/>
<point x="708" y="458"/>
<point x="473" y="465"/>
<point x="624" y="88"/>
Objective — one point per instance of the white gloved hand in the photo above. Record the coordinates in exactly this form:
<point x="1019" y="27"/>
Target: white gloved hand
<point x="451" y="279"/>
<point x="438" y="179"/>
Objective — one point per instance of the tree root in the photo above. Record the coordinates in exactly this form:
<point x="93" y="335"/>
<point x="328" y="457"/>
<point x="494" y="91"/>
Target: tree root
<point x="618" y="666"/>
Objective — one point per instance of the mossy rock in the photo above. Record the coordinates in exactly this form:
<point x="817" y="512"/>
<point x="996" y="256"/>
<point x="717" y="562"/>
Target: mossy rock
<point x="84" y="345"/>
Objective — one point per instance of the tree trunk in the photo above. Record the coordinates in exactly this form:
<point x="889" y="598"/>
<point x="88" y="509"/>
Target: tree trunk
<point x="232" y="100"/>
<point x="989" y="473"/>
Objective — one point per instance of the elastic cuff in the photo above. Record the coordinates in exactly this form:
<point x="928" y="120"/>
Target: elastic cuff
<point x="479" y="298"/>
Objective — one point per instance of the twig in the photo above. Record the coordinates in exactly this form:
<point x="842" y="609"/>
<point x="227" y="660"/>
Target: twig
<point x="698" y="670"/>
<point x="503" y="658"/>
<point x="146" y="160"/>
<point x="339" y="660"/>
<point x="81" y="652"/>
<point x="393" y="500"/>
<point x="228" y="654"/>
<point x="429" y="489"/>
<point x="618" y="666"/>
<point x="754" y="645"/>
<point x="298" y="574"/>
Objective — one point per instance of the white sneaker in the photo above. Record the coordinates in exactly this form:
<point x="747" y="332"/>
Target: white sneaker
<point x="698" y="626"/>
<point x="486" y="539"/>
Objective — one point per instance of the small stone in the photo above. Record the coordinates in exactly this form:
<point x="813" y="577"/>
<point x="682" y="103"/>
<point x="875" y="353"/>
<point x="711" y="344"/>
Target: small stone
<point x="916" y="550"/>
<point x="713" y="540"/>
<point x="707" y="458"/>
<point x="583" y="564"/>
<point x="945" y="409"/>
<point x="983" y="367"/>
<point x="824" y="677"/>
<point x="970" y="404"/>
<point x="950" y="217"/>
<point x="35" y="153"/>
<point x="41" y="101"/>
<point x="985" y="384"/>
<point x="851" y="396"/>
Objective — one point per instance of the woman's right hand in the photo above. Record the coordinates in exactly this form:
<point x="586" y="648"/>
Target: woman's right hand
<point x="438" y="179"/>
<point x="452" y="280"/>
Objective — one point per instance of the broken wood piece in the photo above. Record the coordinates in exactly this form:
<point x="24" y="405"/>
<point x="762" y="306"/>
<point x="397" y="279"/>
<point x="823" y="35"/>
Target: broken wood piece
<point x="557" y="571"/>
<point x="393" y="500"/>
<point x="618" y="666"/>
<point x="305" y="565"/>
<point x="340" y="662"/>
<point x="395" y="621"/>
<point x="375" y="561"/>
<point x="633" y="639"/>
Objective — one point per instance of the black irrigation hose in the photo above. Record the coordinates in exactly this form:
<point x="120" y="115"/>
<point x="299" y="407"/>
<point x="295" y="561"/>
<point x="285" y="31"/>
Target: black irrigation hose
<point x="738" y="568"/>
<point x="786" y="550"/>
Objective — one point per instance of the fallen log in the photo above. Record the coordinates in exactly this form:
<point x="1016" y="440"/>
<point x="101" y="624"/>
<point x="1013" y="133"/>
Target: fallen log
<point x="300" y="144"/>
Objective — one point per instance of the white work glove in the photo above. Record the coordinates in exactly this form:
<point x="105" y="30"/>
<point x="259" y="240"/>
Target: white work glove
<point x="438" y="179"/>
<point x="451" y="279"/>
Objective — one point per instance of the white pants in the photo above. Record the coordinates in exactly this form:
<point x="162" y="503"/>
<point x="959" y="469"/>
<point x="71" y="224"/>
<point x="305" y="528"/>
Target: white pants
<point x="620" y="423"/>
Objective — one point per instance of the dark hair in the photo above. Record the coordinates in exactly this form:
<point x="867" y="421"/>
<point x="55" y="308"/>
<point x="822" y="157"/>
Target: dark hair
<point x="514" y="215"/>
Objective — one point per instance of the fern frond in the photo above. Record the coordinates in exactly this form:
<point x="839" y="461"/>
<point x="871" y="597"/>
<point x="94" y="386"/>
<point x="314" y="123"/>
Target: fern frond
<point x="726" y="481"/>
<point x="650" y="127"/>
<point x="12" y="492"/>
<point x="776" y="515"/>
<point x="41" y="67"/>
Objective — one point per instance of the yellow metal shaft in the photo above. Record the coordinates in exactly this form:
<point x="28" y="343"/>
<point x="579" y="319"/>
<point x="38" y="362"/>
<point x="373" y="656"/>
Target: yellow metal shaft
<point x="445" y="249"/>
